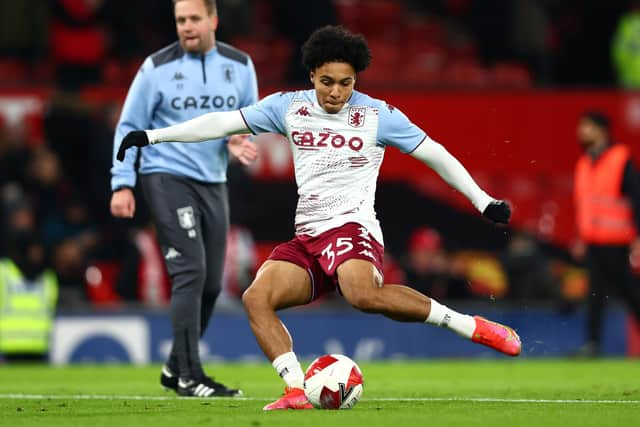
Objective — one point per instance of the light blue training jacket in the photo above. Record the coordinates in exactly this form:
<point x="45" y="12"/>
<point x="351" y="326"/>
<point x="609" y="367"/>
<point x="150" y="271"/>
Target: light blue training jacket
<point x="171" y="87"/>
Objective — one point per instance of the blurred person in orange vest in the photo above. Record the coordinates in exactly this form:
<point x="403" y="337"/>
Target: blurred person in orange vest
<point x="607" y="198"/>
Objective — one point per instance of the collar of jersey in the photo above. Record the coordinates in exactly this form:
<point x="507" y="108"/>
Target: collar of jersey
<point x="317" y="104"/>
<point x="212" y="52"/>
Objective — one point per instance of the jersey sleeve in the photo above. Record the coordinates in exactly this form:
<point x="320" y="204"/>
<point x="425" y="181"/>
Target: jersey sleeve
<point x="395" y="129"/>
<point x="268" y="115"/>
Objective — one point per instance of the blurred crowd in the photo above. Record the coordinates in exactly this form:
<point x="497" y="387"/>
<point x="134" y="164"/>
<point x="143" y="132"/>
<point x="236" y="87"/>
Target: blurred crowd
<point x="57" y="187"/>
<point x="58" y="190"/>
<point x="441" y="43"/>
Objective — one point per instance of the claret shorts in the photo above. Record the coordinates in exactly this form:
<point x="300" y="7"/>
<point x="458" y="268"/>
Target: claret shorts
<point x="322" y="254"/>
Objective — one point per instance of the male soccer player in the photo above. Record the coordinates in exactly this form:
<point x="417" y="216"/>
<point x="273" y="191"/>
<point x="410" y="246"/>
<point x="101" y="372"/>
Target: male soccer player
<point x="338" y="137"/>
<point x="185" y="186"/>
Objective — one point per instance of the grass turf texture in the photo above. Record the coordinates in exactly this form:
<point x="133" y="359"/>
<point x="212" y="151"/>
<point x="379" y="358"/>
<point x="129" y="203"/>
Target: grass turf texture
<point x="440" y="393"/>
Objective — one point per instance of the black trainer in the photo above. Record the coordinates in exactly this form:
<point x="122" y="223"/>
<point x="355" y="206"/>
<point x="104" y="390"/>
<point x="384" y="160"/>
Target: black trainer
<point x="204" y="388"/>
<point x="221" y="389"/>
<point x="190" y="388"/>
<point x="168" y="380"/>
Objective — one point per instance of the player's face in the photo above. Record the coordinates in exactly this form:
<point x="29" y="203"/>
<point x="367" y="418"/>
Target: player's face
<point x="195" y="26"/>
<point x="333" y="83"/>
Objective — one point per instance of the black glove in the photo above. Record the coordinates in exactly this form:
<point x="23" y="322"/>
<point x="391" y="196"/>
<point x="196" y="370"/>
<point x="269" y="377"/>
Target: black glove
<point x="136" y="138"/>
<point x="498" y="211"/>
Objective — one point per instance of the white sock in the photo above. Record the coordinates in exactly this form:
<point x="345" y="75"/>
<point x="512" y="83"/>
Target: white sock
<point x="288" y="367"/>
<point x="441" y="315"/>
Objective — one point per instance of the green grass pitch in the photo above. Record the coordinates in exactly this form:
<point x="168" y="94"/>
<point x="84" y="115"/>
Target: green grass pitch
<point x="467" y="393"/>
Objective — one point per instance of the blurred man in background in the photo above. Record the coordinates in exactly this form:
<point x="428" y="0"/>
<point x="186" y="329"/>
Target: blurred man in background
<point x="185" y="185"/>
<point x="28" y="295"/>
<point x="607" y="200"/>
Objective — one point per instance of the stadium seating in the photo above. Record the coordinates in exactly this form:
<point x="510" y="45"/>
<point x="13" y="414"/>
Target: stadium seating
<point x="468" y="74"/>
<point x="425" y="63"/>
<point x="511" y="75"/>
<point x="384" y="68"/>
<point x="381" y="18"/>
<point x="270" y="58"/>
<point x="13" y="71"/>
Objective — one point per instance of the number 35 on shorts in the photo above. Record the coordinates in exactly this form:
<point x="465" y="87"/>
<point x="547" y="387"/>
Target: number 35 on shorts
<point x="337" y="251"/>
<point x="342" y="246"/>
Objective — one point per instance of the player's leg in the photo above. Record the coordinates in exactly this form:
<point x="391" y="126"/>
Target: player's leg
<point x="174" y="206"/>
<point x="353" y="256"/>
<point x="215" y="225"/>
<point x="278" y="285"/>
<point x="361" y="285"/>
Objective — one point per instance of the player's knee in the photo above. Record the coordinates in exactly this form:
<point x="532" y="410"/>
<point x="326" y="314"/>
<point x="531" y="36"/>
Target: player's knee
<point x="367" y="301"/>
<point x="253" y="297"/>
<point x="247" y="297"/>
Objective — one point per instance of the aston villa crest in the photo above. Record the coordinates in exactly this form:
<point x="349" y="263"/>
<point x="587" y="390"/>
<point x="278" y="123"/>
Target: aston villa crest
<point x="356" y="116"/>
<point x="186" y="218"/>
<point x="227" y="71"/>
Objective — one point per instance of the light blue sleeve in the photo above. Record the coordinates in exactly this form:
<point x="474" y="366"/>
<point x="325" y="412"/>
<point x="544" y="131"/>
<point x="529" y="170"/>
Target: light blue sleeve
<point x="250" y="94"/>
<point x="268" y="115"/>
<point x="137" y="114"/>
<point x="395" y="129"/>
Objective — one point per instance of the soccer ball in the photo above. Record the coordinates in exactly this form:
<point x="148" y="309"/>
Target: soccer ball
<point x="333" y="381"/>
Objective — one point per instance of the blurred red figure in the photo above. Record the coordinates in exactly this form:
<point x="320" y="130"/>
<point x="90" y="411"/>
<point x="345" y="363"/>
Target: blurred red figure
<point x="143" y="275"/>
<point x="240" y="261"/>
<point x="78" y="41"/>
<point x="430" y="269"/>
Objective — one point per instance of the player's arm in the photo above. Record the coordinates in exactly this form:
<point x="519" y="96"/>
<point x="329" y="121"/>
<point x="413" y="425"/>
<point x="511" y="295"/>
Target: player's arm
<point x="264" y="116"/>
<point x="396" y="129"/>
<point x="213" y="125"/>
<point x="451" y="170"/>
<point x="241" y="147"/>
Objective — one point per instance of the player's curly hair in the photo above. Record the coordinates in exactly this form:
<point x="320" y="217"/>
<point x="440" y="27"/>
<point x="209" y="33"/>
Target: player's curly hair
<point x="335" y="44"/>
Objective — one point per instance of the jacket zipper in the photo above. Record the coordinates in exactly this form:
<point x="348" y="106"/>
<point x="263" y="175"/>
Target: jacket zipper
<point x="204" y="72"/>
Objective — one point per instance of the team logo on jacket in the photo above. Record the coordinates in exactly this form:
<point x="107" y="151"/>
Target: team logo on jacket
<point x="227" y="72"/>
<point x="356" y="116"/>
<point x="186" y="218"/>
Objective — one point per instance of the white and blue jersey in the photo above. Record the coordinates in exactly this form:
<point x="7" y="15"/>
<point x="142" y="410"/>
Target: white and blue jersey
<point x="336" y="157"/>
<point x="171" y="87"/>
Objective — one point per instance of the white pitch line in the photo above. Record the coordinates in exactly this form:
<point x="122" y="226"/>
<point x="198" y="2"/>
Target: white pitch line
<point x="501" y="400"/>
<point x="380" y="399"/>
